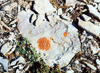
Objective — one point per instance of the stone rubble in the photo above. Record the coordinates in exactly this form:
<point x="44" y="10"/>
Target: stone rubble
<point x="64" y="32"/>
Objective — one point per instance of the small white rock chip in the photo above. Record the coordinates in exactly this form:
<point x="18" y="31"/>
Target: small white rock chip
<point x="90" y="65"/>
<point x="71" y="2"/>
<point x="59" y="11"/>
<point x="10" y="7"/>
<point x="94" y="11"/>
<point x="43" y="6"/>
<point x="70" y="71"/>
<point x="98" y="61"/>
<point x="5" y="48"/>
<point x="97" y="1"/>
<point x="90" y="27"/>
<point x="4" y="62"/>
<point x="20" y="59"/>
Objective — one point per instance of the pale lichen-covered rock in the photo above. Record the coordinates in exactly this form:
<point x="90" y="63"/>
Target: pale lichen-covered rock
<point x="57" y="42"/>
<point x="43" y="6"/>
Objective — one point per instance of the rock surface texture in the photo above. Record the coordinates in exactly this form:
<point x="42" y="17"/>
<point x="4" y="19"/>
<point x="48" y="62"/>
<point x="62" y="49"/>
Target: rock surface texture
<point x="55" y="41"/>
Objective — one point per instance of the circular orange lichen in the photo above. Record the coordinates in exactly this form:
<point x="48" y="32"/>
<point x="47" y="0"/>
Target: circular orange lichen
<point x="65" y="34"/>
<point x="44" y="43"/>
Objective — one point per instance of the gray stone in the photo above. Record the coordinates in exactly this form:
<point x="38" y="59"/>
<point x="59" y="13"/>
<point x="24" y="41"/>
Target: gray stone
<point x="57" y="41"/>
<point x="90" y="27"/>
<point x="4" y="62"/>
<point x="5" y="48"/>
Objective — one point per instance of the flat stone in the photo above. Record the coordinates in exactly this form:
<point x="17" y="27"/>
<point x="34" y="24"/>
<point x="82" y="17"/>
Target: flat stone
<point x="90" y="27"/>
<point x="97" y="1"/>
<point x="43" y="6"/>
<point x="71" y="2"/>
<point x="94" y="11"/>
<point x="20" y="59"/>
<point x="4" y="62"/>
<point x="98" y="61"/>
<point x="5" y="48"/>
<point x="59" y="11"/>
<point x="57" y="41"/>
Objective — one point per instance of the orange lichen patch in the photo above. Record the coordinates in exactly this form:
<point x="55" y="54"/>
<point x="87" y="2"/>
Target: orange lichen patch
<point x="51" y="38"/>
<point x="65" y="34"/>
<point x="44" y="44"/>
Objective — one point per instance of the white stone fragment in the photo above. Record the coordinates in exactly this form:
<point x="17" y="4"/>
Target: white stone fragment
<point x="4" y="62"/>
<point x="94" y="49"/>
<point x="90" y="27"/>
<point x="11" y="36"/>
<point x="59" y="11"/>
<point x="99" y="53"/>
<point x="54" y="32"/>
<point x="94" y="11"/>
<point x="9" y="7"/>
<point x="99" y="6"/>
<point x="90" y="65"/>
<point x="43" y="6"/>
<point x="87" y="18"/>
<point x="97" y="1"/>
<point x="98" y="61"/>
<point x="71" y="2"/>
<point x="12" y="50"/>
<point x="21" y="59"/>
<point x="77" y="61"/>
<point x="3" y="24"/>
<point x="6" y="47"/>
<point x="70" y="71"/>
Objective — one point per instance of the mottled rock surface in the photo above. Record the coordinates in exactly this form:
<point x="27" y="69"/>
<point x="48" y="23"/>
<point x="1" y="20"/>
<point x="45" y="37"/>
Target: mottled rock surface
<point x="57" y="42"/>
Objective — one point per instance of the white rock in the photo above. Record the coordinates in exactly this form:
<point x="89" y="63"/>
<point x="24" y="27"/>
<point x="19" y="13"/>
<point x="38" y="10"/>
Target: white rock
<point x="90" y="65"/>
<point x="77" y="61"/>
<point x="87" y="18"/>
<point x="4" y="62"/>
<point x="9" y="7"/>
<point x="12" y="50"/>
<point x="6" y="47"/>
<point x="61" y="48"/>
<point x="97" y="1"/>
<point x="21" y="59"/>
<point x="11" y="36"/>
<point x="99" y="6"/>
<point x="71" y="2"/>
<point x="99" y="53"/>
<point x="43" y="6"/>
<point x="98" y="61"/>
<point x="90" y="27"/>
<point x="59" y="11"/>
<point x="70" y="71"/>
<point x="94" y="11"/>
<point x="94" y="49"/>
